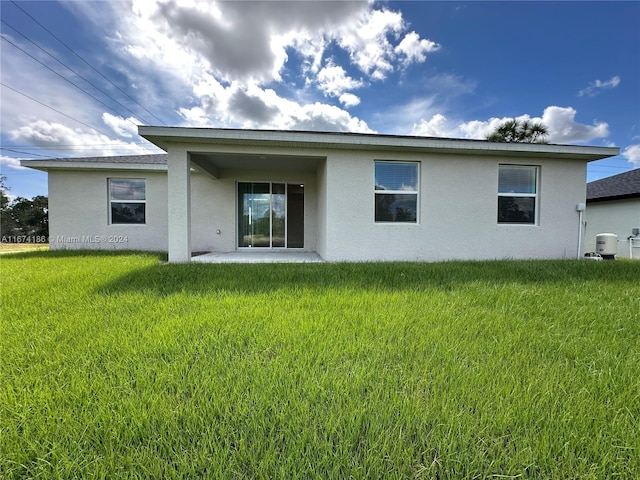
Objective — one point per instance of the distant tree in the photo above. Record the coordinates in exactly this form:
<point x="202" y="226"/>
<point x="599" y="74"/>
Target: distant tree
<point x="26" y="217"/>
<point x="519" y="131"/>
<point x="6" y="222"/>
<point x="4" y="199"/>
<point x="40" y="215"/>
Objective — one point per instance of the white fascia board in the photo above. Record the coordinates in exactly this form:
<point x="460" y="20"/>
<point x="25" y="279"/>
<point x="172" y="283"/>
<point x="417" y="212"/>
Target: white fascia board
<point x="46" y="165"/>
<point x="162" y="136"/>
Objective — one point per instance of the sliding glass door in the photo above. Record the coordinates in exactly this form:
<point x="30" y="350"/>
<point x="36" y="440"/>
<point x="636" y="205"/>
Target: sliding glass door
<point x="270" y="215"/>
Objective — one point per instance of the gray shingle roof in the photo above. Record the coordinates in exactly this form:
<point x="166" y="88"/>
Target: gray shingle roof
<point x="623" y="185"/>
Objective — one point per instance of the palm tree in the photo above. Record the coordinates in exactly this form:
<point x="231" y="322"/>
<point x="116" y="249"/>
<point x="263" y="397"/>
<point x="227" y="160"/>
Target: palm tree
<point x="519" y="131"/>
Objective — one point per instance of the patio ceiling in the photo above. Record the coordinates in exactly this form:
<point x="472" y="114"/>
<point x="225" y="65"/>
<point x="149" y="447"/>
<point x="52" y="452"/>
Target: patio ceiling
<point x="213" y="162"/>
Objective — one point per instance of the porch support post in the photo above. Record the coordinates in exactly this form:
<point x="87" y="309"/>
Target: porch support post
<point x="179" y="204"/>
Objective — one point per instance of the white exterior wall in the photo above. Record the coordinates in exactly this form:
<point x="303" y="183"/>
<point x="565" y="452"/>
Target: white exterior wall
<point x="79" y="212"/>
<point x="612" y="216"/>
<point x="214" y="207"/>
<point x="179" y="204"/>
<point x="321" y="246"/>
<point x="457" y="210"/>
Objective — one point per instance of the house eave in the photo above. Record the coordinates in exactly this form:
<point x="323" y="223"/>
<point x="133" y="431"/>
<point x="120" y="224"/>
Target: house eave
<point x="164" y="136"/>
<point x="613" y="197"/>
<point x="47" y="165"/>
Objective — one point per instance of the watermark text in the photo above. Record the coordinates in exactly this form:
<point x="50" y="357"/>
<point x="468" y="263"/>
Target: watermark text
<point x="65" y="239"/>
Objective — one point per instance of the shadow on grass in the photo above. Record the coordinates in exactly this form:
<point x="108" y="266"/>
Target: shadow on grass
<point x="202" y="279"/>
<point x="164" y="279"/>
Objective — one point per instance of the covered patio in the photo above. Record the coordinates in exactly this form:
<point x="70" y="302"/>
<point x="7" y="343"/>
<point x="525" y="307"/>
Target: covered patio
<point x="259" y="193"/>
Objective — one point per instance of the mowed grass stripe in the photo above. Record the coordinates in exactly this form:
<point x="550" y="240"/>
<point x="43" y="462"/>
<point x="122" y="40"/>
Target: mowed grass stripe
<point x="118" y="365"/>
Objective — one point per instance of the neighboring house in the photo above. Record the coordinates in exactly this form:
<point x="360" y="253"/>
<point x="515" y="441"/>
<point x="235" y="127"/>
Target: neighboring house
<point x="613" y="206"/>
<point x="348" y="197"/>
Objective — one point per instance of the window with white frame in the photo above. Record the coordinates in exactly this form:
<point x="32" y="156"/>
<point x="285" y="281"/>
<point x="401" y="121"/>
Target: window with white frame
<point x="396" y="191"/>
<point x="127" y="200"/>
<point x="518" y="194"/>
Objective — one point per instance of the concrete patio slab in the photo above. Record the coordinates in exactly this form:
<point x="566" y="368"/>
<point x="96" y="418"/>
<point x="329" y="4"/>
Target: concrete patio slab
<point x="253" y="256"/>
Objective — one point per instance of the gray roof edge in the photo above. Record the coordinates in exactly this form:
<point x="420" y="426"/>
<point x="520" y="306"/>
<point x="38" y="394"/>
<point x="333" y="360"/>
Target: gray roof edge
<point x="613" y="197"/>
<point x="159" y="136"/>
<point x="124" y="162"/>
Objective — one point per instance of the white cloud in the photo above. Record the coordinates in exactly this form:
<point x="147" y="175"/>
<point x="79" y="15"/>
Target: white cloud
<point x="368" y="44"/>
<point x="248" y="41"/>
<point x="244" y="41"/>
<point x="564" y="129"/>
<point x="434" y="127"/>
<point x="439" y="126"/>
<point x="479" y="129"/>
<point x="212" y="61"/>
<point x="349" y="99"/>
<point x="123" y="127"/>
<point x="334" y="81"/>
<point x="11" y="162"/>
<point x="52" y="136"/>
<point x="594" y="87"/>
<point x="632" y="154"/>
<point x="560" y="121"/>
<point x="415" y="49"/>
<point x="323" y="117"/>
<point x="253" y="107"/>
<point x="212" y="64"/>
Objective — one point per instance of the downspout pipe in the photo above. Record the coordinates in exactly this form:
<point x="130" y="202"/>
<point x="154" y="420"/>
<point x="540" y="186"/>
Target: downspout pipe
<point x="580" y="208"/>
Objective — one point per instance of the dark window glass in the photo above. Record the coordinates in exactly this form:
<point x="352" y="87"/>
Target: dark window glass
<point x="127" y="212"/>
<point x="396" y="208"/>
<point x="517" y="210"/>
<point x="295" y="216"/>
<point x="270" y="215"/>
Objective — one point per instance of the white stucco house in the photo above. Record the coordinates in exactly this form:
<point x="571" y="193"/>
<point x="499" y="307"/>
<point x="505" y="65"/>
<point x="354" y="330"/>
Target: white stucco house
<point x="613" y="206"/>
<point x="348" y="197"/>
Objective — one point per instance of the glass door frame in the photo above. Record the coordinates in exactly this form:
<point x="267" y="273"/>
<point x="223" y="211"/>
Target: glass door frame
<point x="240" y="213"/>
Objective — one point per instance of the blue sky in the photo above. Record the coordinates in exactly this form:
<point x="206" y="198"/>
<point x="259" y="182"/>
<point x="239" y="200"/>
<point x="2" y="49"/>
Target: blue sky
<point x="79" y="76"/>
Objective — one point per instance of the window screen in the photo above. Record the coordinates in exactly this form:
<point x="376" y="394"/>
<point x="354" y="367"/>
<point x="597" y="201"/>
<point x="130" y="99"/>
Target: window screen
<point x="396" y="192"/>
<point x="517" y="194"/>
<point x="127" y="200"/>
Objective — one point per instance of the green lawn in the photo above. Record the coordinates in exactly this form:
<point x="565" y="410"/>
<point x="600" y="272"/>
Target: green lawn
<point x="118" y="365"/>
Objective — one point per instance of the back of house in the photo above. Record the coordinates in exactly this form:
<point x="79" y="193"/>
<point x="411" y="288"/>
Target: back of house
<point x="348" y="197"/>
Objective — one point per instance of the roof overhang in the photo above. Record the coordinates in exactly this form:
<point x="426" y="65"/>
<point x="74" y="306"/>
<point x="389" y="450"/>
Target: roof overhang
<point x="53" y="164"/>
<point x="318" y="141"/>
<point x="614" y="197"/>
